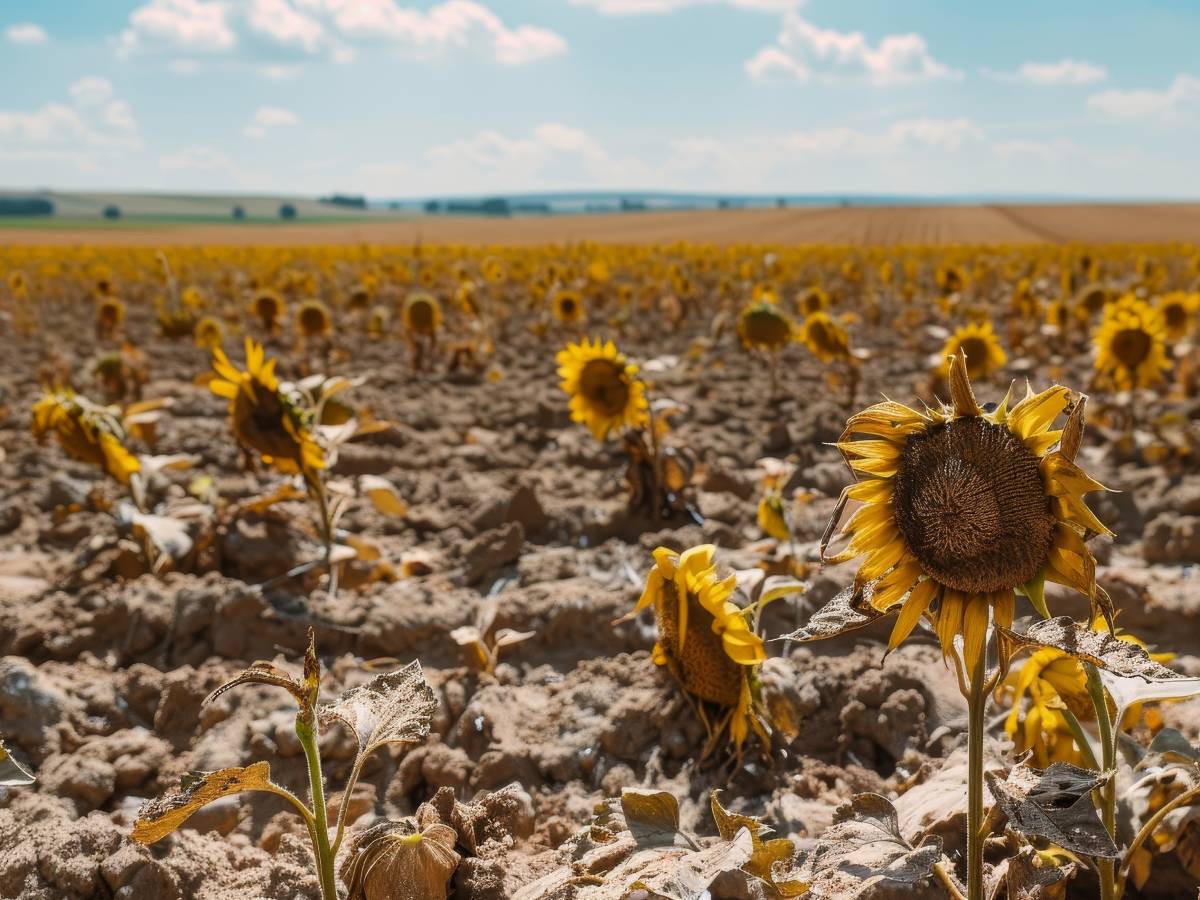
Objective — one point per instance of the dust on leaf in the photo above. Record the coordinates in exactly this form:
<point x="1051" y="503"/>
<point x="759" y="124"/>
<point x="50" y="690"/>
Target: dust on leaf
<point x="1055" y="803"/>
<point x="1100" y="648"/>
<point x="392" y="708"/>
<point x="158" y="818"/>
<point x="848" y="611"/>
<point x="262" y="672"/>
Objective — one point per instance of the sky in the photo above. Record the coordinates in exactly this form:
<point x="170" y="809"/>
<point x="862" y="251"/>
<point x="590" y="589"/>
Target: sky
<point x="405" y="98"/>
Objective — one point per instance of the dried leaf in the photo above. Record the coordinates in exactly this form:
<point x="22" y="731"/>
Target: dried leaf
<point x="1169" y="747"/>
<point x="506" y="637"/>
<point x="765" y="853"/>
<point x="392" y="708"/>
<point x="848" y="611"/>
<point x="864" y="849"/>
<point x="262" y="672"/>
<point x="779" y="586"/>
<point x="652" y="817"/>
<point x="1024" y="879"/>
<point x="12" y="774"/>
<point x="158" y="818"/>
<point x="382" y="493"/>
<point x="394" y="861"/>
<point x="1126" y="691"/>
<point x="689" y="877"/>
<point x="1100" y="648"/>
<point x="1055" y="804"/>
<point x="168" y="535"/>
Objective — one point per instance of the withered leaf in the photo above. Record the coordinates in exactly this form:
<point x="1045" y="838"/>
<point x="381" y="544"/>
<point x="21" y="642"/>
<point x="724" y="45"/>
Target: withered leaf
<point x="765" y="853"/>
<point x="689" y="876"/>
<point x="391" y="708"/>
<point x="263" y="672"/>
<point x="12" y="774"/>
<point x="1055" y="803"/>
<point x="1126" y="691"/>
<point x="1169" y="747"/>
<point x="848" y="611"/>
<point x="383" y="494"/>
<point x="652" y="817"/>
<point x="395" y="861"/>
<point x="1024" y="879"/>
<point x="158" y="818"/>
<point x="864" y="849"/>
<point x="1100" y="648"/>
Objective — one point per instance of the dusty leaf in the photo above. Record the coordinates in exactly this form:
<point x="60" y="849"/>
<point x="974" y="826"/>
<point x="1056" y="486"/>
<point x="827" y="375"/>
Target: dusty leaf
<point x="158" y="818"/>
<point x="262" y="672"/>
<point x="1126" y="691"/>
<point x="863" y="850"/>
<point x="652" y="817"/>
<point x="1122" y="658"/>
<point x="392" y="708"/>
<point x="689" y="876"/>
<point x="395" y="861"/>
<point x="766" y="854"/>
<point x="382" y="493"/>
<point x="848" y="611"/>
<point x="1055" y="803"/>
<point x="1169" y="747"/>
<point x="12" y="774"/>
<point x="507" y="637"/>
<point x="1026" y="876"/>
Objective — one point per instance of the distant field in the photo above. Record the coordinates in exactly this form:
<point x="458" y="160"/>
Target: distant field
<point x="319" y="223"/>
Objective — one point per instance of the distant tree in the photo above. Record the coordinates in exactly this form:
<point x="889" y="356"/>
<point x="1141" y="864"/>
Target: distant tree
<point x="354" y="201"/>
<point x="239" y="212"/>
<point x="781" y="203"/>
<point x="112" y="211"/>
<point x="26" y="206"/>
<point x="287" y="211"/>
<point x="433" y="206"/>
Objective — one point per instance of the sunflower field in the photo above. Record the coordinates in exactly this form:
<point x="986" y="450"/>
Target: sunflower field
<point x="596" y="571"/>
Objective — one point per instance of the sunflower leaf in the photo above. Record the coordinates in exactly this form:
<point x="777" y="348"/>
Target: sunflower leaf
<point x="652" y="817"/>
<point x="391" y="708"/>
<point x="848" y="611"/>
<point x="158" y="818"/>
<point x="1100" y="648"/>
<point x="1055" y="803"/>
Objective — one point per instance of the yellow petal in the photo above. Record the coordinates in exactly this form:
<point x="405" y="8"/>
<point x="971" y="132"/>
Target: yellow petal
<point x="976" y="614"/>
<point x="910" y="613"/>
<point x="1035" y="414"/>
<point x="949" y="620"/>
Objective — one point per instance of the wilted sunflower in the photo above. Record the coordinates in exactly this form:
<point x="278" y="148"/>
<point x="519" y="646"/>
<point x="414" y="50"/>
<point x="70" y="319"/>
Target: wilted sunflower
<point x="422" y="314"/>
<point x="313" y="319"/>
<point x="603" y="386"/>
<point x="267" y="307"/>
<point x="825" y="338"/>
<point x="1091" y="300"/>
<point x="704" y="638"/>
<point x="1054" y="681"/>
<point x="208" y="333"/>
<point x="110" y="313"/>
<point x="982" y="348"/>
<point x="86" y="432"/>
<point x="568" y="307"/>
<point x="764" y="326"/>
<point x="264" y="418"/>
<point x="1130" y="344"/>
<point x="814" y="300"/>
<point x="1178" y="310"/>
<point x="962" y="508"/>
<point x="950" y="279"/>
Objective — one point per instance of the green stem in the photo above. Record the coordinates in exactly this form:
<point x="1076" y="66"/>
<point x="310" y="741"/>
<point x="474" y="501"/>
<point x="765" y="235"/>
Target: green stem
<point x="341" y="820"/>
<point x="308" y="740"/>
<point x="1148" y="829"/>
<point x="1081" y="739"/>
<point x="1108" y="793"/>
<point x="976" y="706"/>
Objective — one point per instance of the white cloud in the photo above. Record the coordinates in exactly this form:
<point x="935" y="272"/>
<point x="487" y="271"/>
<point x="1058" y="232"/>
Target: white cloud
<point x="94" y="124"/>
<point x="199" y="157"/>
<point x="312" y="27"/>
<point x="645" y="7"/>
<point x="278" y="72"/>
<point x="1065" y="71"/>
<point x="1182" y="92"/>
<point x="803" y="51"/>
<point x="268" y="117"/>
<point x="91" y="90"/>
<point x="26" y="33"/>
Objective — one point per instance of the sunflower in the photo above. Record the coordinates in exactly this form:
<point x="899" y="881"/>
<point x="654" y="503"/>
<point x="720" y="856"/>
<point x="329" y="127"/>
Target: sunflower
<point x="825" y="338"/>
<point x="763" y="326"/>
<point x="1053" y="682"/>
<point x="1178" y="310"/>
<point x="1130" y="344"/>
<point x="359" y="298"/>
<point x="568" y="307"/>
<point x="982" y="348"/>
<point x="950" y="279"/>
<point x="603" y="386"/>
<point x="814" y="300"/>
<point x="704" y="638"/>
<point x="963" y="508"/>
<point x="264" y="417"/>
<point x="110" y="313"/>
<point x="208" y="333"/>
<point x="313" y="319"/>
<point x="267" y="307"/>
<point x="86" y="432"/>
<point x="1091" y="300"/>
<point x="422" y="314"/>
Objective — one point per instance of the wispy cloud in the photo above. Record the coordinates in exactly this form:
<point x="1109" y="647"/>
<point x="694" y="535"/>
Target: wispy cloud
<point x="267" y="118"/>
<point x="1042" y="74"/>
<point x="26" y="33"/>
<point x="650" y="7"/>
<point x="1182" y="93"/>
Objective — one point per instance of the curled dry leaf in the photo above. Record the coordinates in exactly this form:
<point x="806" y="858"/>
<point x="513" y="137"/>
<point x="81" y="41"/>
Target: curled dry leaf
<point x="395" y="861"/>
<point x="652" y="817"/>
<point x="767" y="856"/>
<point x="1055" y="803"/>
<point x="1026" y="876"/>
<point x="158" y="818"/>
<point x="1122" y="658"/>
<point x="864" y="849"/>
<point x="12" y="774"/>
<point x="168" y="534"/>
<point x="392" y="708"/>
<point x="1126" y="691"/>
<point x="848" y="611"/>
<point x="383" y="494"/>
<point x="262" y="672"/>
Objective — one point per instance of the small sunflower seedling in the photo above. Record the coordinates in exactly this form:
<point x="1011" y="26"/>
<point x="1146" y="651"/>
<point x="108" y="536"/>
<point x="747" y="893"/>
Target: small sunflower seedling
<point x="392" y="708"/>
<point x="481" y="645"/>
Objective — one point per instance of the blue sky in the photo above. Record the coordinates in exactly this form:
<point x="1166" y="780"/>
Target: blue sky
<point x="409" y="98"/>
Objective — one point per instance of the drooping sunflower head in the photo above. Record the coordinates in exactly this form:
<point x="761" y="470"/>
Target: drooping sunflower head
<point x="110" y="313"/>
<point x="313" y="319"/>
<point x="813" y="300"/>
<point x="962" y="508"/>
<point x="86" y="432"/>
<point x="764" y="326"/>
<point x="605" y="391"/>
<point x="378" y="320"/>
<point x="1091" y="300"/>
<point x="359" y="298"/>
<point x="422" y="314"/>
<point x="825" y="338"/>
<point x="950" y="279"/>
<point x="263" y="416"/>
<point x="704" y="637"/>
<point x="1130" y="345"/>
<point x="978" y="341"/>
<point x="208" y="333"/>
<point x="1179" y="311"/>
<point x="267" y="307"/>
<point x="568" y="307"/>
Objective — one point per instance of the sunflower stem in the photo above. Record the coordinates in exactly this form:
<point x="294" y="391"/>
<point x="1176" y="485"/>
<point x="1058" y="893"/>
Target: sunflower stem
<point x="1108" y="793"/>
<point x="1081" y="739"/>
<point x="976" y="707"/>
<point x="306" y="732"/>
